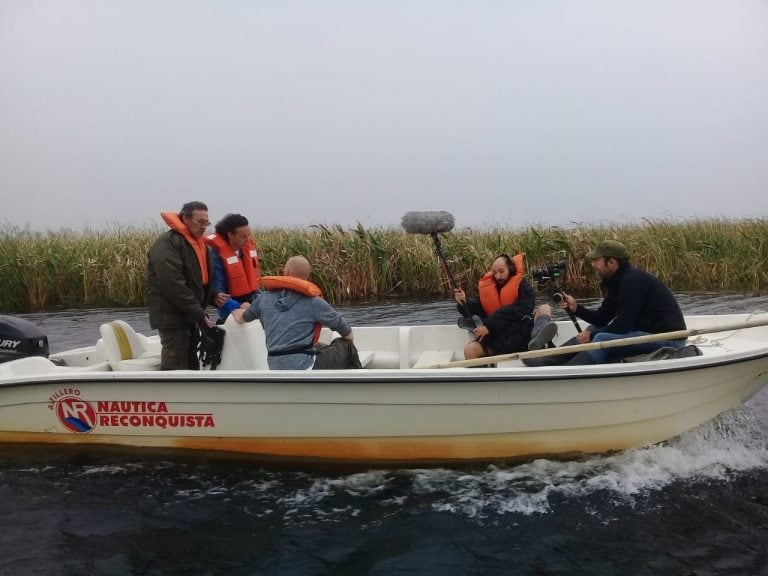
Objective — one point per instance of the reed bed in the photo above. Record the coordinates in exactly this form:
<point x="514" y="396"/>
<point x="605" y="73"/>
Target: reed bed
<point x="108" y="268"/>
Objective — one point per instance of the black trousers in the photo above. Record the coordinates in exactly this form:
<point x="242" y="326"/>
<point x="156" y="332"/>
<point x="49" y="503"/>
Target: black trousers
<point x="338" y="355"/>
<point x="514" y="338"/>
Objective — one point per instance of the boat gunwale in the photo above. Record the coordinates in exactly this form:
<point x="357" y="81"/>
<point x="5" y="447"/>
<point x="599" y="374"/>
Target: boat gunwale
<point x="509" y="375"/>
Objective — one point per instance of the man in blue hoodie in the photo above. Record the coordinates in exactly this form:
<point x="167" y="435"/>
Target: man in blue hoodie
<point x="292" y="312"/>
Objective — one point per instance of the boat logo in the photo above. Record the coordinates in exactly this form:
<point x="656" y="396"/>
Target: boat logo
<point x="82" y="416"/>
<point x="75" y="414"/>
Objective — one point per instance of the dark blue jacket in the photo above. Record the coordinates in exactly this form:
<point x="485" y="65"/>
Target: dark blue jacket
<point x="634" y="300"/>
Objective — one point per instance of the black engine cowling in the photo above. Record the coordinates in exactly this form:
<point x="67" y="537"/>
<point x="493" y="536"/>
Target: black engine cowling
<point x="20" y="338"/>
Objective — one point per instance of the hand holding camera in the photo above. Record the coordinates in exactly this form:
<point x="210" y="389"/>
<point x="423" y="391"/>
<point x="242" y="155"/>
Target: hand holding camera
<point x="553" y="275"/>
<point x="565" y="301"/>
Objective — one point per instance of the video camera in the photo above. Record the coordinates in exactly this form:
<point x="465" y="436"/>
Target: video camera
<point x="551" y="274"/>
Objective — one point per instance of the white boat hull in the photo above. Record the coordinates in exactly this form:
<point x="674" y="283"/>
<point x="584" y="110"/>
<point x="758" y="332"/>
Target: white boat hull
<point x="388" y="414"/>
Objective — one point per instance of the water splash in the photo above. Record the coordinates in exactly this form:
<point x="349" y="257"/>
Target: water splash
<point x="731" y="444"/>
<point x="715" y="452"/>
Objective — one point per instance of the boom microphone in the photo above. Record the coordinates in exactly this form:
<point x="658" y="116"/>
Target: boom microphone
<point x="432" y="223"/>
<point x="427" y="222"/>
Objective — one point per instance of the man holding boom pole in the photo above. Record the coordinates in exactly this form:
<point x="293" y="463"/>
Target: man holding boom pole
<point x="635" y="303"/>
<point x="505" y="303"/>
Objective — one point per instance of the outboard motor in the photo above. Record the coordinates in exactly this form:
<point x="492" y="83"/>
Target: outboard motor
<point x="20" y="338"/>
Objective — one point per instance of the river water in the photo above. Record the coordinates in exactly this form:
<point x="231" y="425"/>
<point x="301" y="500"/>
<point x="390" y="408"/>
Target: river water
<point x="696" y="505"/>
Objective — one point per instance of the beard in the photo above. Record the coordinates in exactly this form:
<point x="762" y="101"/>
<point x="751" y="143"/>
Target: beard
<point x="605" y="274"/>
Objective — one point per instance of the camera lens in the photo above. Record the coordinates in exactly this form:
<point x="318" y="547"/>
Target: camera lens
<point x="557" y="297"/>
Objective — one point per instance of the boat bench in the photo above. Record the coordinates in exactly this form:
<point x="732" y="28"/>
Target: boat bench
<point x="406" y="347"/>
<point x="402" y="347"/>
<point x="365" y="357"/>
<point x="433" y="357"/>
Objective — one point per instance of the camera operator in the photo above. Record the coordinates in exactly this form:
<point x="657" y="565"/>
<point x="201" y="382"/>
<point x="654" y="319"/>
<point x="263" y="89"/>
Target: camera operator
<point x="635" y="303"/>
<point x="505" y="304"/>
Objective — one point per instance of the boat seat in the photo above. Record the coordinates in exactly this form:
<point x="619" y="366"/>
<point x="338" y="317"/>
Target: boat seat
<point x="365" y="357"/>
<point x="433" y="357"/>
<point x="27" y="366"/>
<point x="127" y="349"/>
<point x="327" y="336"/>
<point x="245" y="346"/>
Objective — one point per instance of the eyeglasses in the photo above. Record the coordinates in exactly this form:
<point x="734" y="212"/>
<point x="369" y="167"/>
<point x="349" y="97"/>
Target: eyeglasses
<point x="203" y="223"/>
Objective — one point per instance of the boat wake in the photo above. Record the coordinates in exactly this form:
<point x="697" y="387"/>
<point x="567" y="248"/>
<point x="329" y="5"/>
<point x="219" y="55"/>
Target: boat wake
<point x="716" y="452"/>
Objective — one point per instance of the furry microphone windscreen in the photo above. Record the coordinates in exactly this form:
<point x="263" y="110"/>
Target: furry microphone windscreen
<point x="427" y="222"/>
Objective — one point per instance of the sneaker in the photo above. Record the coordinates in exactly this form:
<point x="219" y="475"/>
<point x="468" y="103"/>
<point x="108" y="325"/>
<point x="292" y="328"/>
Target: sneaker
<point x="543" y="337"/>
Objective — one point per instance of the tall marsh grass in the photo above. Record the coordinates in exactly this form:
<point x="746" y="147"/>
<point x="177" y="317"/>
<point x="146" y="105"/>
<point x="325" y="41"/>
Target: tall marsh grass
<point x="94" y="269"/>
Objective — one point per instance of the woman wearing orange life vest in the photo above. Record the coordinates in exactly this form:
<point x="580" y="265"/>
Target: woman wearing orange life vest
<point x="505" y="305"/>
<point x="235" y="263"/>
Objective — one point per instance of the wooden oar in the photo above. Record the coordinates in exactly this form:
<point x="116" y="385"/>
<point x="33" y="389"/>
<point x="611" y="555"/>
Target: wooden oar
<point x="600" y="345"/>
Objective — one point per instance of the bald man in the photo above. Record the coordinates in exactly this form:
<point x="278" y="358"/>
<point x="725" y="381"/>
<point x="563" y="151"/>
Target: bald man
<point x="290" y="309"/>
<point x="298" y="267"/>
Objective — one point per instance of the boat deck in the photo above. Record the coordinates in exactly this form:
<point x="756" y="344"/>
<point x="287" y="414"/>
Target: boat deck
<point x="380" y="348"/>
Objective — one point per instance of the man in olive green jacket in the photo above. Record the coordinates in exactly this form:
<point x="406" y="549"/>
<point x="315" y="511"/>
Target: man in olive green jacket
<point x="179" y="286"/>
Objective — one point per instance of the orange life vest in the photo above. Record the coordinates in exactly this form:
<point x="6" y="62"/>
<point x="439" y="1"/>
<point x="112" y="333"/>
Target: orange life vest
<point x="198" y="244"/>
<point x="242" y="274"/>
<point x="491" y="298"/>
<point x="297" y="285"/>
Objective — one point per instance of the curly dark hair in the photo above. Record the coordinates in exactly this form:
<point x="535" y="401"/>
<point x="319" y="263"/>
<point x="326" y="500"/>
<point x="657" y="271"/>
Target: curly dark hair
<point x="230" y="223"/>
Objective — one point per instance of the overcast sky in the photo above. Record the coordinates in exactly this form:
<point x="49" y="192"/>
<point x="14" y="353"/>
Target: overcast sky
<point x="301" y="112"/>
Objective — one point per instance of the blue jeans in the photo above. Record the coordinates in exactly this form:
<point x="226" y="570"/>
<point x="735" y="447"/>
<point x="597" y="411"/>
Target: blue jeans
<point x="600" y="356"/>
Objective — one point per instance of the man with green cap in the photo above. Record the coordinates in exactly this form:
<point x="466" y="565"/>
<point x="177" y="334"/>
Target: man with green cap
<point x="635" y="303"/>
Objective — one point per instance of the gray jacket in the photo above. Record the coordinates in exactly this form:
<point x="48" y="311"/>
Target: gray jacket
<point x="289" y="320"/>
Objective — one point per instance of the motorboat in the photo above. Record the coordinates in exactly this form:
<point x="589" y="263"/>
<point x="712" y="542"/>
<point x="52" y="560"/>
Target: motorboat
<point x="416" y="401"/>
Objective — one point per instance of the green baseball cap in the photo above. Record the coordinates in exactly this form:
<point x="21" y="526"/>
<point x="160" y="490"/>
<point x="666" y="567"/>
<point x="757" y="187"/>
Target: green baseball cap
<point x="609" y="249"/>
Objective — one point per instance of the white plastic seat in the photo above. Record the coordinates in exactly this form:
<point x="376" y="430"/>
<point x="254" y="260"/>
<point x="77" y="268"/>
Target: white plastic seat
<point x="126" y="348"/>
<point x="431" y="344"/>
<point x="245" y="346"/>
<point x="365" y="357"/>
<point x="430" y="358"/>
